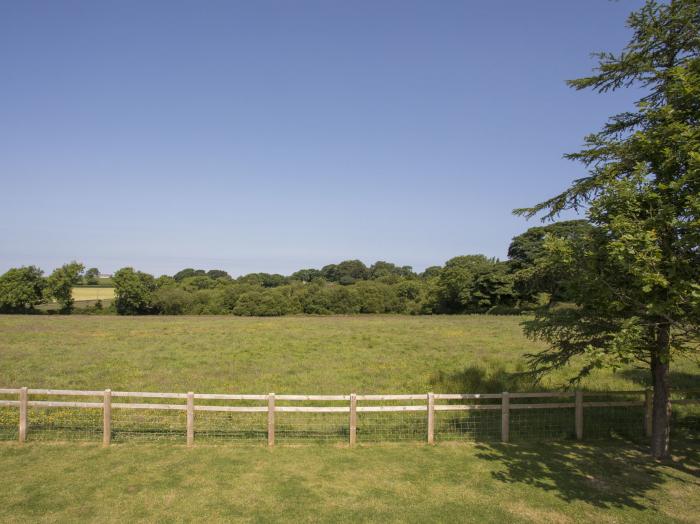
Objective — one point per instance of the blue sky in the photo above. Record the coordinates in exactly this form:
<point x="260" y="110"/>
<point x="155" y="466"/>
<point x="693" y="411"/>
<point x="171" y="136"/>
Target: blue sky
<point x="271" y="136"/>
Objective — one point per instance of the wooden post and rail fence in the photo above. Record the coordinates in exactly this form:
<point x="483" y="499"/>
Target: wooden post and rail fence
<point x="431" y="405"/>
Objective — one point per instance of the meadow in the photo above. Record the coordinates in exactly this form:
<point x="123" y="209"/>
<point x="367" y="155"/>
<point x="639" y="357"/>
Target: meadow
<point x="567" y="481"/>
<point x="331" y="355"/>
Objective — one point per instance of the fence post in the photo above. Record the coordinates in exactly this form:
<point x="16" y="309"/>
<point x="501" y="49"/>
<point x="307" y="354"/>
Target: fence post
<point x="648" y="411"/>
<point x="353" y="419"/>
<point x="23" y="403"/>
<point x="431" y="418"/>
<point x="107" y="418"/>
<point x="190" y="419"/>
<point x="271" y="419"/>
<point x="579" y="415"/>
<point x="505" y="417"/>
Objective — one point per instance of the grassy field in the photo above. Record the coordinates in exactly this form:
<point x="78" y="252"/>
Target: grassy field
<point x="92" y="293"/>
<point x="367" y="354"/>
<point x="556" y="483"/>
<point x="608" y="481"/>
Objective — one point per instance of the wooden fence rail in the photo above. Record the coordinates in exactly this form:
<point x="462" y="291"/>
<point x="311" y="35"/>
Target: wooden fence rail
<point x="505" y="405"/>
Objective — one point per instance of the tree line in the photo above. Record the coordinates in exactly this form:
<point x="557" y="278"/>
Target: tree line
<point x="465" y="284"/>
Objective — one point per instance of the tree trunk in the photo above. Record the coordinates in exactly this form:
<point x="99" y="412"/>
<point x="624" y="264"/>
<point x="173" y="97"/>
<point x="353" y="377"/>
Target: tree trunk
<point x="661" y="410"/>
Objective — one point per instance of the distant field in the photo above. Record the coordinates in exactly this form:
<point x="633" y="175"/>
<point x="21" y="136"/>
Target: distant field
<point x="371" y="354"/>
<point x="93" y="293"/>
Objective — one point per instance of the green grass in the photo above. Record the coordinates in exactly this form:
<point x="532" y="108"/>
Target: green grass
<point x="561" y="483"/>
<point x="366" y="354"/>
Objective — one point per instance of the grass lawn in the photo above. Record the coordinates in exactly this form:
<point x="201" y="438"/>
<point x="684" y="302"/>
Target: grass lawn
<point x="558" y="483"/>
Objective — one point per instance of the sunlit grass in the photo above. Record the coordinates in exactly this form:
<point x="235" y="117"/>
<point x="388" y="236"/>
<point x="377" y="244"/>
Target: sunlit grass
<point x="369" y="354"/>
<point x="383" y="483"/>
<point x="93" y="293"/>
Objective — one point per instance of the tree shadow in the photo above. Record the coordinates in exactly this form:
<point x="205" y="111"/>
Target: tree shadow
<point x="476" y="379"/>
<point x="616" y="475"/>
<point x="678" y="379"/>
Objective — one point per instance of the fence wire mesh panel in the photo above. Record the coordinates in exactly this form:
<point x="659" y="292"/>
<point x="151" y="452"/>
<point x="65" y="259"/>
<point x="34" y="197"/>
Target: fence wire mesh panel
<point x="473" y="425"/>
<point x="218" y="426"/>
<point x="685" y="418"/>
<point x="148" y="425"/>
<point x="9" y="423"/>
<point x="295" y="427"/>
<point x="46" y="423"/>
<point x="79" y="415"/>
<point x="392" y="426"/>
<point x="542" y="424"/>
<point x="614" y="422"/>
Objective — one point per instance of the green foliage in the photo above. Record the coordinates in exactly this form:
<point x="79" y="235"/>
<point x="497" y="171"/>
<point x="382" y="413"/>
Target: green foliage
<point x="532" y="275"/>
<point x="306" y="275"/>
<point x="21" y="289"/>
<point x="347" y="272"/>
<point x="59" y="285"/>
<point x="266" y="303"/>
<point x="170" y="300"/>
<point x="637" y="275"/>
<point x="133" y="292"/>
<point x="218" y="273"/>
<point x="473" y="283"/>
<point x="389" y="273"/>
<point x="188" y="272"/>
<point x="91" y="276"/>
<point x="263" y="279"/>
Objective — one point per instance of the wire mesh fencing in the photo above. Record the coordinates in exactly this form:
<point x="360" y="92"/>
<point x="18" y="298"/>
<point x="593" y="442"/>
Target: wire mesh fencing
<point x="148" y="425"/>
<point x="468" y="425"/>
<point x="223" y="427"/>
<point x="685" y="415"/>
<point x="55" y="415"/>
<point x="542" y="424"/>
<point x="305" y="427"/>
<point x="9" y="416"/>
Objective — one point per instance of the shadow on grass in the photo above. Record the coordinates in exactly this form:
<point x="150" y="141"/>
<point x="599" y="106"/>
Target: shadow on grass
<point x="679" y="379"/>
<point x="476" y="379"/>
<point x="618" y="475"/>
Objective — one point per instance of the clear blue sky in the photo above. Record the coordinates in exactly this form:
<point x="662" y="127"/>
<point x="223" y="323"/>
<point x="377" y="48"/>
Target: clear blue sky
<point x="271" y="136"/>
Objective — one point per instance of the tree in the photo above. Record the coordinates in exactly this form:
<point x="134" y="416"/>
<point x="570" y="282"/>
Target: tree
<point x="188" y="272"/>
<point x="218" y="273"/>
<point x="91" y="276"/>
<point x="636" y="279"/>
<point x="60" y="283"/>
<point x="306" y="275"/>
<point x="473" y="284"/>
<point x="21" y="289"/>
<point x="346" y="273"/>
<point x="171" y="301"/>
<point x="525" y="252"/>
<point x="133" y="292"/>
<point x="385" y="270"/>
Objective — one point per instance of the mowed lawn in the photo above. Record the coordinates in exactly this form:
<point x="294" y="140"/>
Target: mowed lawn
<point x="547" y="483"/>
<point x="562" y="482"/>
